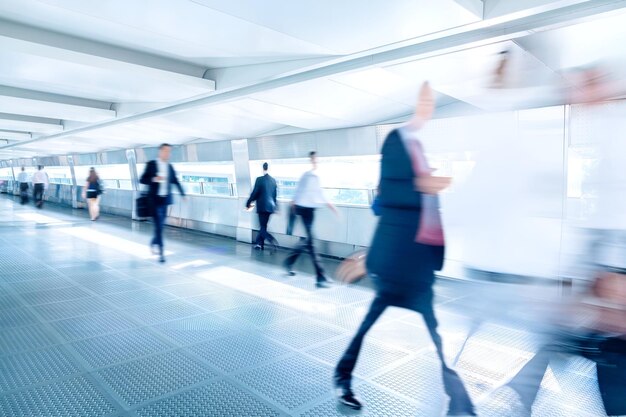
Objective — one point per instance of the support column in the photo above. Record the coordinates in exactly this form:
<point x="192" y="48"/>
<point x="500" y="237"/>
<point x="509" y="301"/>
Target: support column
<point x="75" y="191"/>
<point x="14" y="185"/>
<point x="131" y="157"/>
<point x="241" y="160"/>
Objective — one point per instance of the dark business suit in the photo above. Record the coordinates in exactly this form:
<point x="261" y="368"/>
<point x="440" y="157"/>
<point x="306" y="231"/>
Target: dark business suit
<point x="158" y="204"/>
<point x="402" y="269"/>
<point x="264" y="193"/>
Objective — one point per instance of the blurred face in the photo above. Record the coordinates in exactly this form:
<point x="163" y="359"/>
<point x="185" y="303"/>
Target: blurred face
<point x="425" y="104"/>
<point x="164" y="153"/>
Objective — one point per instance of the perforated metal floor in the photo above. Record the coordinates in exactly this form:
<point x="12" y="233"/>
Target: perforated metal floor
<point x="87" y="329"/>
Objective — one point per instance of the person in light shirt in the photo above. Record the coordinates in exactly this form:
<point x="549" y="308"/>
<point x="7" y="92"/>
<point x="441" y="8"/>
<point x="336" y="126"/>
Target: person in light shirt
<point x="40" y="185"/>
<point x="22" y="179"/>
<point x="309" y="196"/>
<point x="159" y="175"/>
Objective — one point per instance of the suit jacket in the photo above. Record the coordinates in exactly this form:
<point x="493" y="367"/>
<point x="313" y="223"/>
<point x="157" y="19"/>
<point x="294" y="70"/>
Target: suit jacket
<point x="400" y="264"/>
<point x="264" y="193"/>
<point x="151" y="172"/>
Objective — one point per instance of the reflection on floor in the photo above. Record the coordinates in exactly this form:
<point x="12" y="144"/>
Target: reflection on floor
<point x="92" y="325"/>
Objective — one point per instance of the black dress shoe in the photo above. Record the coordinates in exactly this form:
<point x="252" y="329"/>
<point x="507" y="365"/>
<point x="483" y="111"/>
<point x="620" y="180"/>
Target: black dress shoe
<point x="323" y="282"/>
<point x="273" y="248"/>
<point x="347" y="398"/>
<point x="290" y="271"/>
<point x="161" y="258"/>
<point x="461" y="413"/>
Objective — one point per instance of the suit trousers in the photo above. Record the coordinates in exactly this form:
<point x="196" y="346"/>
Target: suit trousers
<point x="421" y="303"/>
<point x="306" y="244"/>
<point x="158" y="215"/>
<point x="264" y="219"/>
<point x="38" y="190"/>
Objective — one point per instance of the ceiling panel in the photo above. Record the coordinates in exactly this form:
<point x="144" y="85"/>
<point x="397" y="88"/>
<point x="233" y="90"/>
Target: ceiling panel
<point x="334" y="100"/>
<point x="596" y="41"/>
<point x="180" y="29"/>
<point x="347" y="27"/>
<point x="528" y="80"/>
<point x="276" y="113"/>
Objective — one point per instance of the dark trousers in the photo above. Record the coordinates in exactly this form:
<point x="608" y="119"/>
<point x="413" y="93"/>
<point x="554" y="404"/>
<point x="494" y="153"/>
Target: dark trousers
<point x="23" y="192"/>
<point x="423" y="304"/>
<point x="158" y="216"/>
<point x="610" y="358"/>
<point x="264" y="219"/>
<point x="38" y="194"/>
<point x="306" y="245"/>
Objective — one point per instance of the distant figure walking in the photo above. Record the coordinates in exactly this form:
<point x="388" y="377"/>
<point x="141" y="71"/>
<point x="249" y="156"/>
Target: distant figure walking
<point x="22" y="179"/>
<point x="159" y="175"/>
<point x="264" y="193"/>
<point x="309" y="196"/>
<point x="92" y="192"/>
<point x="40" y="185"/>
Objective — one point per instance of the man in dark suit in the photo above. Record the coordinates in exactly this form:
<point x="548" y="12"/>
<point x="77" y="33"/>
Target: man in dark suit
<point x="264" y="193"/>
<point x="159" y="175"/>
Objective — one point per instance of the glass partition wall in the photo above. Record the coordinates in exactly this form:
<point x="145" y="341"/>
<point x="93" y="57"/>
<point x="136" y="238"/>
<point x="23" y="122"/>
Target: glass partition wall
<point x="345" y="180"/>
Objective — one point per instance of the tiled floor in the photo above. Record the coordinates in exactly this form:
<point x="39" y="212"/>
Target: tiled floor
<point x="92" y="325"/>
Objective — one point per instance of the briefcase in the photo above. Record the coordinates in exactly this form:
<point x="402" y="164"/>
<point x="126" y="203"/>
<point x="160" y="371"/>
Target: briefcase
<point x="291" y="219"/>
<point x="143" y="206"/>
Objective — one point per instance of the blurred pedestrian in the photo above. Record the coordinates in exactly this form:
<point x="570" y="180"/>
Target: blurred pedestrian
<point x="264" y="194"/>
<point x="309" y="197"/>
<point x="159" y="176"/>
<point x="40" y="185"/>
<point x="22" y="179"/>
<point x="408" y="246"/>
<point x="91" y="192"/>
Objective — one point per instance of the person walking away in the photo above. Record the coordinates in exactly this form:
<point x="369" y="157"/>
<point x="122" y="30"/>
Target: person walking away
<point x="264" y="193"/>
<point x="408" y="246"/>
<point x="22" y="179"/>
<point x="159" y="176"/>
<point x="40" y="185"/>
<point x="92" y="192"/>
<point x="309" y="196"/>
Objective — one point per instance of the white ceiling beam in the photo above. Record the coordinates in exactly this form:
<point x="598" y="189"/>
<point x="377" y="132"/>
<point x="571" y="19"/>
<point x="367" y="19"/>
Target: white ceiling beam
<point x="453" y="40"/>
<point x="34" y="103"/>
<point x="29" y="124"/>
<point x="14" y="135"/>
<point x="39" y="42"/>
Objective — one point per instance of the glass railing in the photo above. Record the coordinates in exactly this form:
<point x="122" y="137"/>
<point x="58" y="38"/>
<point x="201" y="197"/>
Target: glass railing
<point x="66" y="181"/>
<point x="210" y="188"/>
<point x="349" y="196"/>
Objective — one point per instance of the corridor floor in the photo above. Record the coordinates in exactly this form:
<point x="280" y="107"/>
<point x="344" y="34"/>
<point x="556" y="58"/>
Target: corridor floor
<point x="92" y="325"/>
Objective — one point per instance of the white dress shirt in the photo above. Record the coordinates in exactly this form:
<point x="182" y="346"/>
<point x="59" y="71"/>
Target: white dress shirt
<point x="309" y="192"/>
<point x="163" y="170"/>
<point x="22" y="177"/>
<point x="40" y="177"/>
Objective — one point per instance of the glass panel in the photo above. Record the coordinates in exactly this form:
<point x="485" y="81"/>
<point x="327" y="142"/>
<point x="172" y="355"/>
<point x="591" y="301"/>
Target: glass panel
<point x="6" y="174"/>
<point x="345" y="180"/>
<point x="207" y="178"/>
<point x="116" y="176"/>
<point x="59" y="175"/>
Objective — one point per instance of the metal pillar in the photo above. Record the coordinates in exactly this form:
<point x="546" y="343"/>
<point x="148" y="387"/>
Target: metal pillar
<point x="241" y="159"/>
